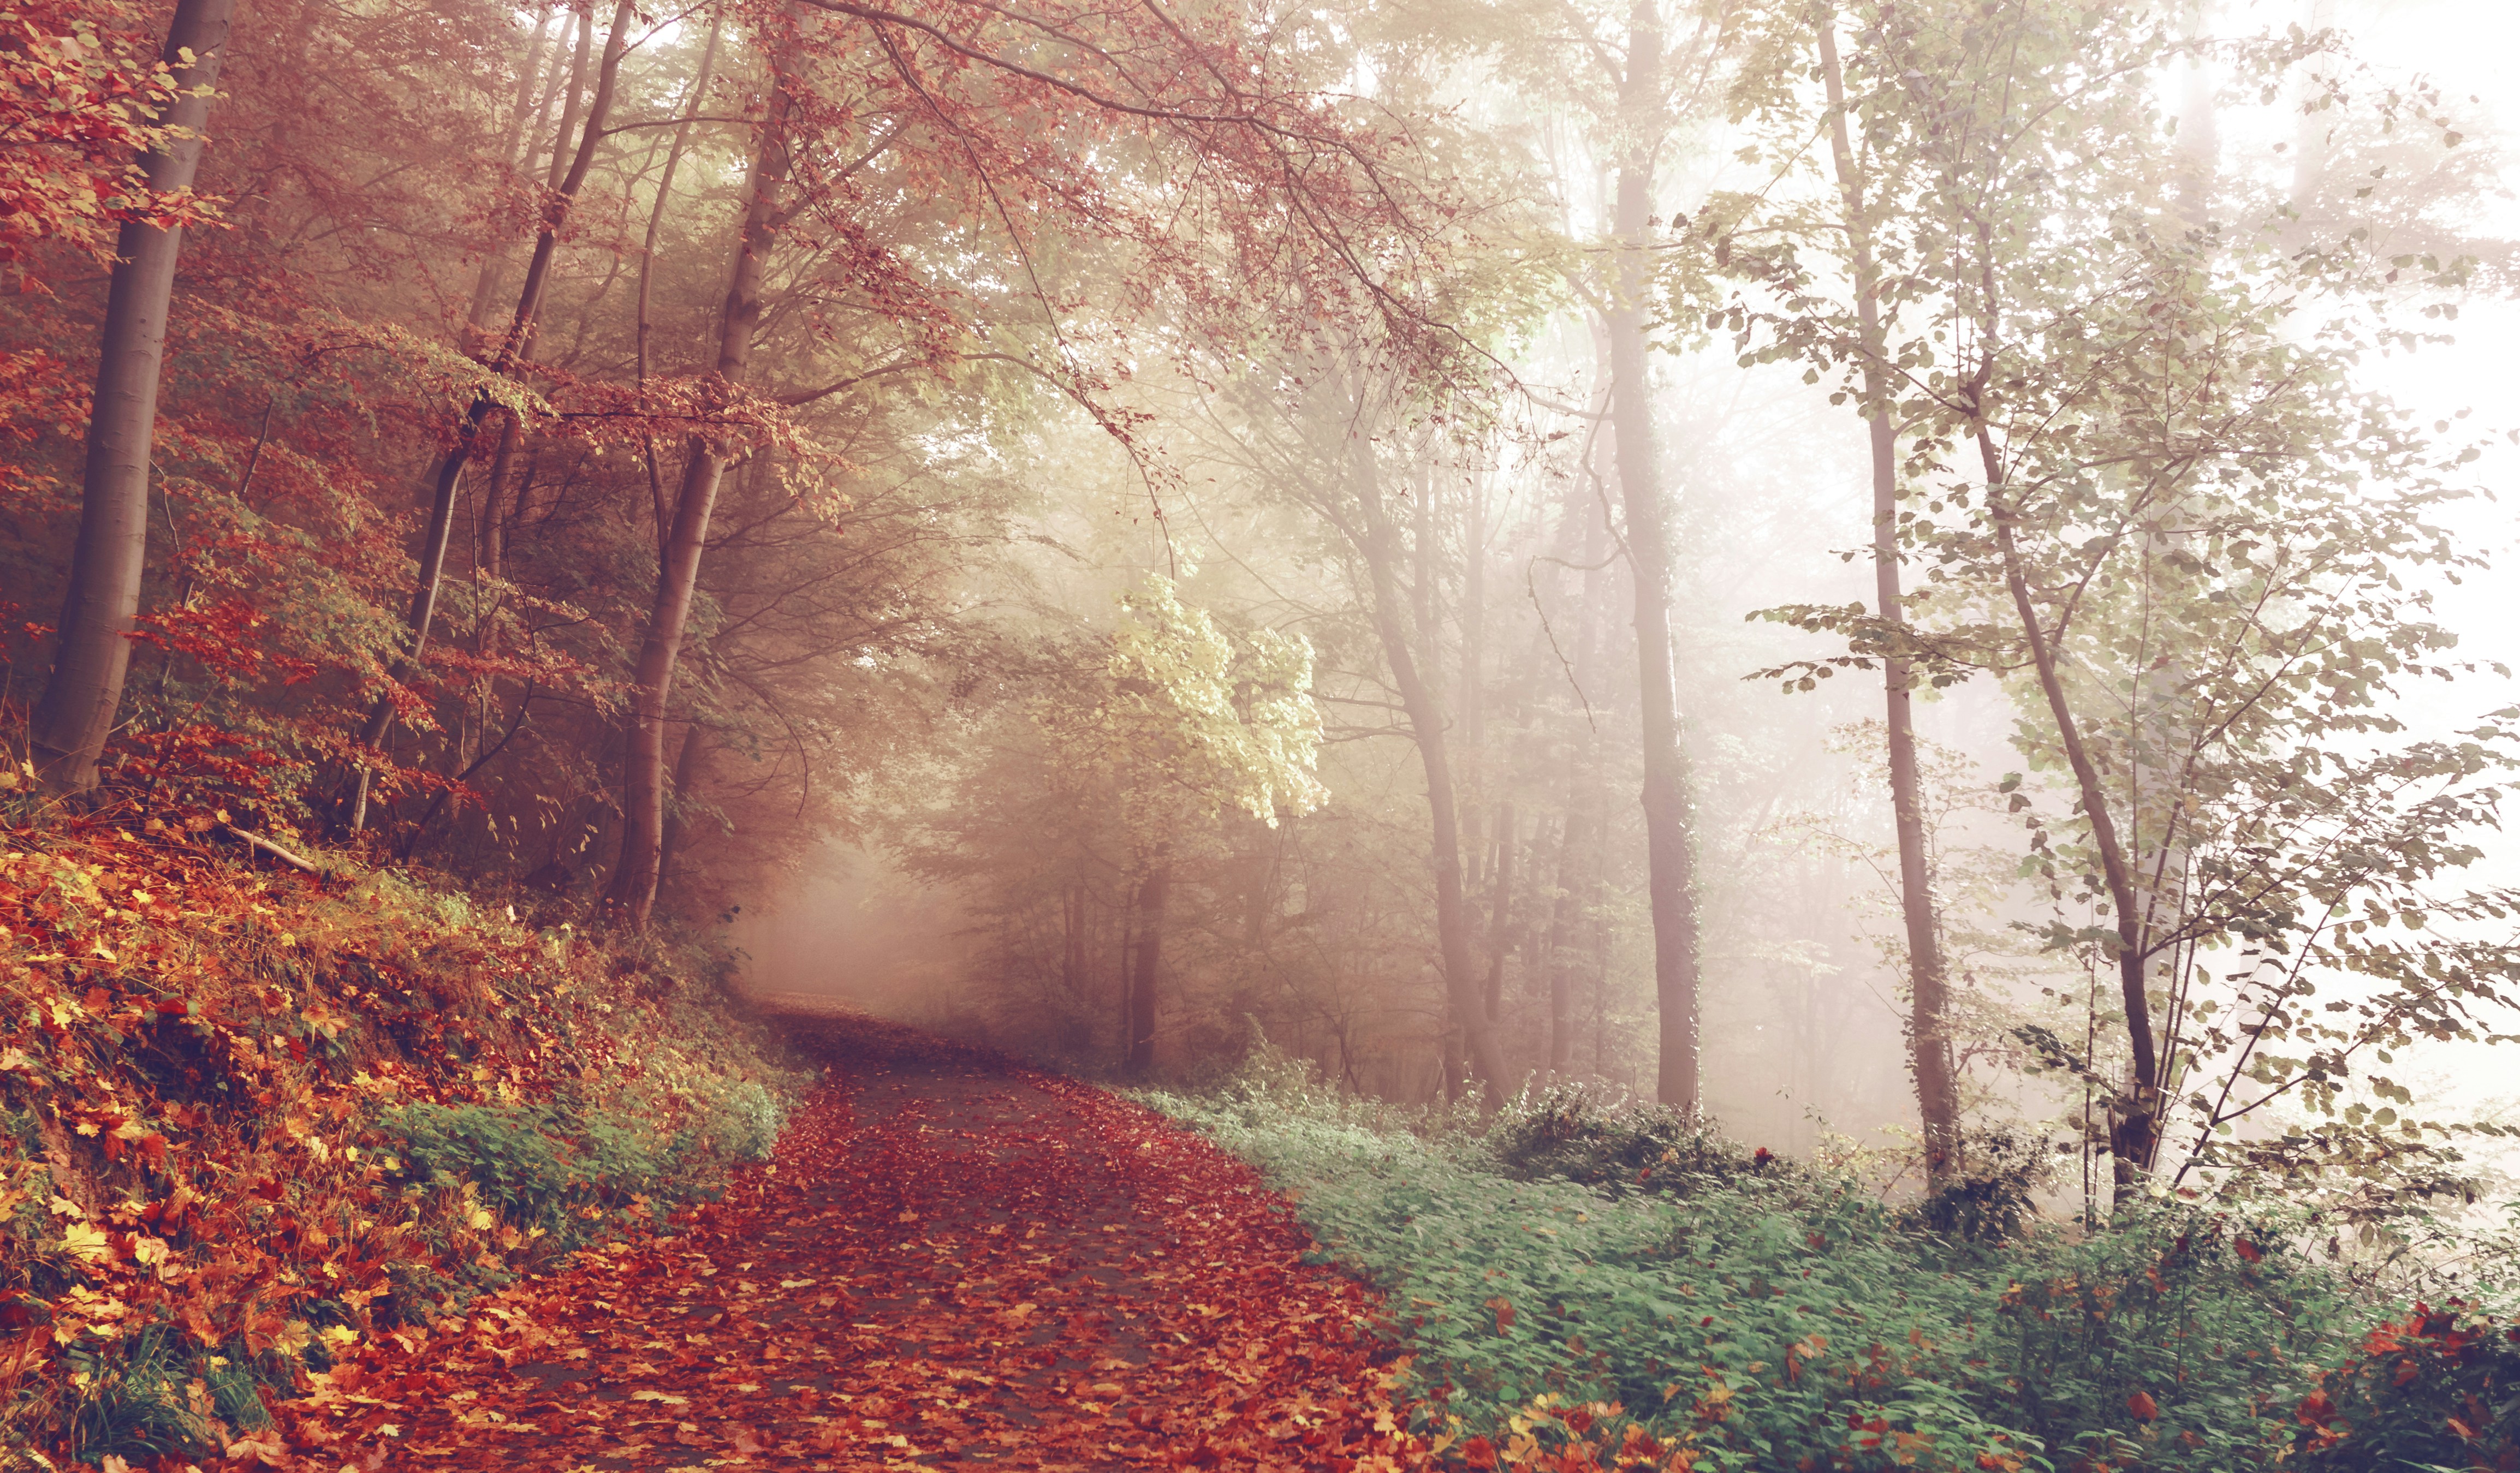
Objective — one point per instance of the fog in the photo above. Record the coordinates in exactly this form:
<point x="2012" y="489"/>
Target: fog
<point x="1914" y="581"/>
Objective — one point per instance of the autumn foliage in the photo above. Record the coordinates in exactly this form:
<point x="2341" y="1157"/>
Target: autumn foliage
<point x="949" y="1255"/>
<point x="213" y="1077"/>
<point x="2440" y="1387"/>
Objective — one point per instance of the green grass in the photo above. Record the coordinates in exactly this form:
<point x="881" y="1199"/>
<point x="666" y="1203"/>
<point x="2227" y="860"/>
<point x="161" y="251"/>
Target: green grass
<point x="1778" y="1317"/>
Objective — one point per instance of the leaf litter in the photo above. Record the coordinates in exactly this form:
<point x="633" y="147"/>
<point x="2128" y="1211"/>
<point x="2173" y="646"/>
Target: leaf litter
<point x="952" y="1262"/>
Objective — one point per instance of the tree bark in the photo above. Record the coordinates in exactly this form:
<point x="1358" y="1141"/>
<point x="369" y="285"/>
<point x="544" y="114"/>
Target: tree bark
<point x="1072" y="958"/>
<point x="687" y="777"/>
<point x="510" y="355"/>
<point x="1426" y="722"/>
<point x="1154" y="893"/>
<point x="1670" y="880"/>
<point x="1929" y="1046"/>
<point x="633" y="891"/>
<point x="85" y="691"/>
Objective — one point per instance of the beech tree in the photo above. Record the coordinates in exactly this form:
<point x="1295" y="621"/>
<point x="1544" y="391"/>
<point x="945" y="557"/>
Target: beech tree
<point x="961" y="96"/>
<point x="1638" y="71"/>
<point x="2170" y="520"/>
<point x="94" y="651"/>
<point x="1787" y="46"/>
<point x="496" y="392"/>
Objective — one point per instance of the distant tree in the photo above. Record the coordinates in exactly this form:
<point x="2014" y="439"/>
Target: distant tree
<point x="1639" y="73"/>
<point x="1184" y="725"/>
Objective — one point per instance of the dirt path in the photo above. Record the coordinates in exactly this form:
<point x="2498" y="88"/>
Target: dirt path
<point x="953" y="1264"/>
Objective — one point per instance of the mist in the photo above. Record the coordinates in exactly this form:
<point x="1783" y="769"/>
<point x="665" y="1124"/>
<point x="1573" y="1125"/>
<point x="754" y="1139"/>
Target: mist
<point x="1887" y="585"/>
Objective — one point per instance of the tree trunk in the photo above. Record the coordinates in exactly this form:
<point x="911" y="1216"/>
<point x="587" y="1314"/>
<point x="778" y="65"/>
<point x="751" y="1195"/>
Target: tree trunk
<point x="687" y="777"/>
<point x="1426" y="722"/>
<point x="2132" y="1139"/>
<point x="494" y="261"/>
<point x="1072" y="958"/>
<point x="1500" y="912"/>
<point x="1671" y="886"/>
<point x="84" y="694"/>
<point x="1152" y="894"/>
<point x="511" y="353"/>
<point x="634" y="882"/>
<point x="665" y="182"/>
<point x="1929" y="1046"/>
<point x="1574" y="858"/>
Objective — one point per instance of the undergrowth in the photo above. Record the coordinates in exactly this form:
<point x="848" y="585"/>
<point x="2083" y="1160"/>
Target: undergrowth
<point x="250" y="1118"/>
<point x="1589" y="1286"/>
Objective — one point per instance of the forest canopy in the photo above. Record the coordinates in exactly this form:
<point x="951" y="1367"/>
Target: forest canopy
<point x="1256" y="506"/>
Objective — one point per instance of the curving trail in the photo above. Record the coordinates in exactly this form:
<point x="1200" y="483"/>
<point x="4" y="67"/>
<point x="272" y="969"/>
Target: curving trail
<point x="953" y="1263"/>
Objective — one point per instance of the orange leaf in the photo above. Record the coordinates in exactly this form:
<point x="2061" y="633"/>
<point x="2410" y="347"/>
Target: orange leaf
<point x="1503" y="1308"/>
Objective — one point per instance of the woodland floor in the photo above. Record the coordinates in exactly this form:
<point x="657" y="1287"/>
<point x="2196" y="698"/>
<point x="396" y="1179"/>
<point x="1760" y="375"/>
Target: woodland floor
<point x="952" y="1262"/>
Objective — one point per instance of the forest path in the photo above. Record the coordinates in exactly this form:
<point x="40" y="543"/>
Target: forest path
<point x="952" y="1262"/>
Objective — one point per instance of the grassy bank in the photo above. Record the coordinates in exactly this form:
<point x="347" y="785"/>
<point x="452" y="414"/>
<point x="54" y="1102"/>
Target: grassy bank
<point x="1594" y="1287"/>
<point x="254" y="1116"/>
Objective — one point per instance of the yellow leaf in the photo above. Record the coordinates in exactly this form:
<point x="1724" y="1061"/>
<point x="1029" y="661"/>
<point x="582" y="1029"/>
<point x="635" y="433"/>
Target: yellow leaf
<point x="87" y="1243"/>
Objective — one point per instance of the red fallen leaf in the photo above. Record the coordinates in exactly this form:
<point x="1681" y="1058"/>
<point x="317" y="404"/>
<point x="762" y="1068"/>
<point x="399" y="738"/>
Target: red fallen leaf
<point x="2142" y="1404"/>
<point x="1503" y="1308"/>
<point x="2249" y="1252"/>
<point x="1478" y="1453"/>
<point x="1273" y="1356"/>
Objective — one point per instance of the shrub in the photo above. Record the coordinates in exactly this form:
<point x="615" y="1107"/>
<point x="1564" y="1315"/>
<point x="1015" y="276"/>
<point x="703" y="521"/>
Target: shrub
<point x="1572" y="1133"/>
<point x="1764" y="1316"/>
<point x="2438" y="1390"/>
<point x="1993" y="1196"/>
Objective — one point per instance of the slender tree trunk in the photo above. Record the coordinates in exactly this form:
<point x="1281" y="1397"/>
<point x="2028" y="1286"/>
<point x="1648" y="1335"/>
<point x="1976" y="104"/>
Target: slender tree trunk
<point x="1154" y="893"/>
<point x="84" y="694"/>
<point x="485" y="281"/>
<point x="1565" y="924"/>
<point x="2134" y="1135"/>
<point x="1478" y="775"/>
<point x="1128" y="971"/>
<point x="512" y="352"/>
<point x="1072" y="956"/>
<point x="1929" y="1046"/>
<point x="634" y="884"/>
<point x="1500" y="912"/>
<point x="1670" y="881"/>
<point x="687" y="777"/>
<point x="1426" y="722"/>
<point x="1579" y="859"/>
<point x="647" y="254"/>
<point x="490" y="549"/>
<point x="665" y="182"/>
